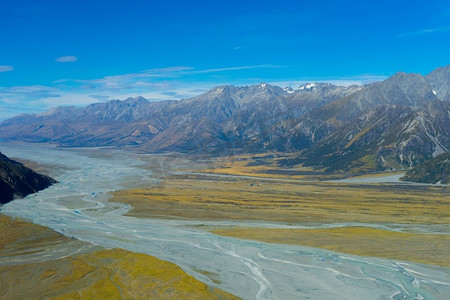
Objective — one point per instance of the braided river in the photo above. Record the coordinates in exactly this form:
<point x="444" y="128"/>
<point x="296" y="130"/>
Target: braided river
<point x="78" y="207"/>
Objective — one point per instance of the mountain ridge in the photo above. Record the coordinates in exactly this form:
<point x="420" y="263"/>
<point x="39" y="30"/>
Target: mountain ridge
<point x="391" y="124"/>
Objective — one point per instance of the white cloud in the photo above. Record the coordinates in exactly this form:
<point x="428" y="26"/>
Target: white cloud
<point x="66" y="59"/>
<point x="6" y="68"/>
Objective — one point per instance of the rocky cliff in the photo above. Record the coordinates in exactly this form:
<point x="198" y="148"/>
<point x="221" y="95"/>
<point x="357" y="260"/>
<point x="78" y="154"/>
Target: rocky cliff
<point x="18" y="181"/>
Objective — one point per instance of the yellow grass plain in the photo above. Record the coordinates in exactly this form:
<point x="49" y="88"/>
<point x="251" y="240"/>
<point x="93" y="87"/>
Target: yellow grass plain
<point x="273" y="198"/>
<point x="422" y="248"/>
<point x="302" y="202"/>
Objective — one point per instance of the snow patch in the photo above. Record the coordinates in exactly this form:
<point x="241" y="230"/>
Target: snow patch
<point x="307" y="87"/>
<point x="288" y="90"/>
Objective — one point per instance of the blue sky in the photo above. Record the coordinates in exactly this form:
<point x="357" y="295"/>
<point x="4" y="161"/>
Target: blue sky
<point x="78" y="52"/>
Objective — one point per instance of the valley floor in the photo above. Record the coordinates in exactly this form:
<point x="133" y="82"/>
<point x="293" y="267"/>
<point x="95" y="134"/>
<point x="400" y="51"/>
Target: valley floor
<point x="396" y="221"/>
<point x="244" y="227"/>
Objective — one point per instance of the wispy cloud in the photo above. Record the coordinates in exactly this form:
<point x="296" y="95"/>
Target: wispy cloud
<point x="161" y="79"/>
<point x="101" y="98"/>
<point x="151" y="84"/>
<point x="441" y="29"/>
<point x="25" y="99"/>
<point x="61" y="81"/>
<point x="125" y="80"/>
<point x="6" y="68"/>
<point x="66" y="59"/>
<point x="169" y="73"/>
<point x="29" y="92"/>
<point x="216" y="70"/>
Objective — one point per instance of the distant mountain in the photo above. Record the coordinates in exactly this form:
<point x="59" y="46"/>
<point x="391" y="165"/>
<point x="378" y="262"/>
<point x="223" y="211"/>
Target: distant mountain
<point x="436" y="170"/>
<point x="17" y="181"/>
<point x="128" y="122"/>
<point x="223" y="115"/>
<point x="392" y="124"/>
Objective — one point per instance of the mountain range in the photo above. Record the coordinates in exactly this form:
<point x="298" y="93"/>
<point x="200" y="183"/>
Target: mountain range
<point x="397" y="123"/>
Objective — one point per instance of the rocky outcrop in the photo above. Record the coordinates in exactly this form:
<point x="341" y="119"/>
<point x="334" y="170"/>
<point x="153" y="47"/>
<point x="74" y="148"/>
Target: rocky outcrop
<point x="18" y="181"/>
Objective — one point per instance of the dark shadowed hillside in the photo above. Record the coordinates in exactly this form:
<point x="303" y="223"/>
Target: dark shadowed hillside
<point x="17" y="181"/>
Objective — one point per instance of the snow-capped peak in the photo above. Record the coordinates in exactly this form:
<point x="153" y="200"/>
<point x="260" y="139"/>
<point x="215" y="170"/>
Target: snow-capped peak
<point x="307" y="87"/>
<point x="288" y="90"/>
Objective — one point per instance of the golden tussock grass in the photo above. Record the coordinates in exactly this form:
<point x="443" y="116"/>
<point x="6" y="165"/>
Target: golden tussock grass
<point x="303" y="202"/>
<point x="422" y="248"/>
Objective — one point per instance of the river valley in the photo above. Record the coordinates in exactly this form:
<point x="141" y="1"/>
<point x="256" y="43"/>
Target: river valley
<point x="80" y="207"/>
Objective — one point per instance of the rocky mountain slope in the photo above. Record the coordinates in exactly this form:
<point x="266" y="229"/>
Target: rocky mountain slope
<point x="391" y="137"/>
<point x="436" y="170"/>
<point x="392" y="124"/>
<point x="17" y="181"/>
